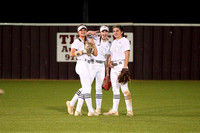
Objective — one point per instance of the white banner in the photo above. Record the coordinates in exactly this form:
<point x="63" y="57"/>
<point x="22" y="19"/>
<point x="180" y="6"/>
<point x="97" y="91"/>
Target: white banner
<point x="64" y="41"/>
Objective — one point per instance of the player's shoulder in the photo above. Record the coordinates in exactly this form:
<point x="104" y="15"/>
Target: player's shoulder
<point x="113" y="41"/>
<point x="125" y="39"/>
<point x="77" y="41"/>
<point x="108" y="43"/>
<point x="96" y="37"/>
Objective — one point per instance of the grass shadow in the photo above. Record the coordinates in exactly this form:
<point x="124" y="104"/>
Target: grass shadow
<point x="57" y="108"/>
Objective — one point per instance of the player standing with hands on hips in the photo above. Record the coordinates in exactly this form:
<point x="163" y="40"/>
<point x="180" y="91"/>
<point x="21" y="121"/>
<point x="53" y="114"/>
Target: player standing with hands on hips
<point x="118" y="61"/>
<point x="78" y="49"/>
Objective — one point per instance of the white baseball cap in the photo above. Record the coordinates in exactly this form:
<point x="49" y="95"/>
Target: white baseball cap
<point x="104" y="28"/>
<point x="82" y="27"/>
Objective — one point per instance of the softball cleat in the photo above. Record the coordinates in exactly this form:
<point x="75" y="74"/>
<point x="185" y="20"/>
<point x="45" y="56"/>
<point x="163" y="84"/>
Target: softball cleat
<point x="111" y="112"/>
<point x="69" y="108"/>
<point x="129" y="113"/>
<point x="77" y="113"/>
<point x="92" y="114"/>
<point x="98" y="111"/>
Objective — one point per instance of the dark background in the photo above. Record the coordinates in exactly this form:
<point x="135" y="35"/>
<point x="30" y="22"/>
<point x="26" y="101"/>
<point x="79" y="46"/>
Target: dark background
<point x="160" y="52"/>
<point x="100" y="12"/>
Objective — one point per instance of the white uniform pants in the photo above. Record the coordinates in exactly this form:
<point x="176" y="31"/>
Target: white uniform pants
<point x="116" y="89"/>
<point x="114" y="80"/>
<point x="97" y="71"/>
<point x="82" y="69"/>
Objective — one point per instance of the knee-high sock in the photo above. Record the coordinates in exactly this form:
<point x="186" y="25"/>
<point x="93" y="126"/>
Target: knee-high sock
<point x="80" y="102"/>
<point x="116" y="99"/>
<point x="128" y="100"/>
<point x="75" y="98"/>
<point x="98" y="100"/>
<point x="88" y="101"/>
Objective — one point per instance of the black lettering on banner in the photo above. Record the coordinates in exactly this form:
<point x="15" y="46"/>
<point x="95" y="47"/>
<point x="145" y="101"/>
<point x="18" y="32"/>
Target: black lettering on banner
<point x="67" y="57"/>
<point x="72" y="58"/>
<point x="63" y="38"/>
<point x="64" y="49"/>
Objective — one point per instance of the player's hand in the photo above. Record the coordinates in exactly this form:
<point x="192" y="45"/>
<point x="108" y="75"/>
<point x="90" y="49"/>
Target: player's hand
<point x="91" y="41"/>
<point x="107" y="75"/>
<point x="110" y="65"/>
<point x="94" y="32"/>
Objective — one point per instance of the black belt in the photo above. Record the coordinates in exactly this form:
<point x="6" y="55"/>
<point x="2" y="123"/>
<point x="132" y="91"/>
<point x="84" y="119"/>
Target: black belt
<point x="115" y="64"/>
<point x="88" y="61"/>
<point x="97" y="61"/>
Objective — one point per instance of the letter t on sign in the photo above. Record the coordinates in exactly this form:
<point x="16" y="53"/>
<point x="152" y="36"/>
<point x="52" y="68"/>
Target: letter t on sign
<point x="63" y="37"/>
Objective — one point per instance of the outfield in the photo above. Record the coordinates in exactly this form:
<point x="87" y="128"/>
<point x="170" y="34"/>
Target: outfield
<point x="159" y="106"/>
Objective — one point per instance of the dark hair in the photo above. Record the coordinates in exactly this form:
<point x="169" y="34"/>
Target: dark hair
<point x="120" y="27"/>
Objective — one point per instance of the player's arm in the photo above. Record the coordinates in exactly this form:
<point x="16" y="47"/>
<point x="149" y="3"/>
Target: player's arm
<point x="74" y="53"/>
<point x="109" y="62"/>
<point x="106" y="64"/>
<point x="92" y="32"/>
<point x="95" y="53"/>
<point x="127" y="54"/>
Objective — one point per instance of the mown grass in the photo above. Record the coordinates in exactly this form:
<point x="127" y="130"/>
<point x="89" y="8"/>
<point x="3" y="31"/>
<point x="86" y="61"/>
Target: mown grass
<point x="159" y="106"/>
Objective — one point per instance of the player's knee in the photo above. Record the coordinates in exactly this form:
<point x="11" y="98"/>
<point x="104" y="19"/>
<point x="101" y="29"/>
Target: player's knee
<point x="86" y="90"/>
<point x="81" y="89"/>
<point x="127" y="94"/>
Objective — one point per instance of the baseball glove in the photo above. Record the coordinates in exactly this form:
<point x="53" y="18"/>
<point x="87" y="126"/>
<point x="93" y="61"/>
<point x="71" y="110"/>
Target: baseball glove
<point x="106" y="83"/>
<point x="124" y="76"/>
<point x="89" y="48"/>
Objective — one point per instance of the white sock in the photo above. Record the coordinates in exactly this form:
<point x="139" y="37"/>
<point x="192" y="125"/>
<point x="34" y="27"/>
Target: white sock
<point x="80" y="103"/>
<point x="75" y="98"/>
<point x="128" y="105"/>
<point x="98" y="100"/>
<point x="88" y="101"/>
<point x="128" y="101"/>
<point x="116" y="99"/>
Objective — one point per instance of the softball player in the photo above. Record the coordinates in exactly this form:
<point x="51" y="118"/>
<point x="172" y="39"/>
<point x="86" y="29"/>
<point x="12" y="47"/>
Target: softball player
<point x="120" y="50"/>
<point x="82" y="69"/>
<point x="98" y="63"/>
<point x="96" y="67"/>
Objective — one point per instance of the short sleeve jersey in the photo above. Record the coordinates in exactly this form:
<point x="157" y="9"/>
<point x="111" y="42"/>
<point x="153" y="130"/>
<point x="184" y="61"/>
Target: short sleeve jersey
<point x="118" y="49"/>
<point x="78" y="44"/>
<point x="103" y="48"/>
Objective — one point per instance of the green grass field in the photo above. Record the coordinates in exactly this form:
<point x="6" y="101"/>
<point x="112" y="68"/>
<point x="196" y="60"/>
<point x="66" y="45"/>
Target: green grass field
<point x="159" y="106"/>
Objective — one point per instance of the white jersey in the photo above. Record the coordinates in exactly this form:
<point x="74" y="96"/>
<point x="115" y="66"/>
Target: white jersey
<point x="103" y="49"/>
<point x="78" y="44"/>
<point x="118" y="49"/>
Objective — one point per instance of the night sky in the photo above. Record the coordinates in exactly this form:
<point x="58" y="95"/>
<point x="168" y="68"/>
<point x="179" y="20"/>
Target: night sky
<point x="100" y="12"/>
